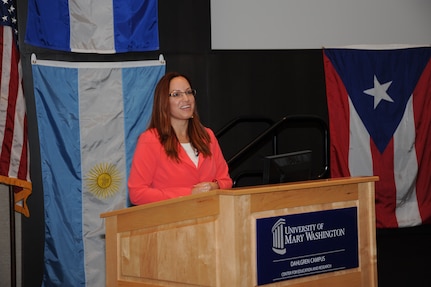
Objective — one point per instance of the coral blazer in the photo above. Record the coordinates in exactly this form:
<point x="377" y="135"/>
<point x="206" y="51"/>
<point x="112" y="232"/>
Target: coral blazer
<point x="154" y="176"/>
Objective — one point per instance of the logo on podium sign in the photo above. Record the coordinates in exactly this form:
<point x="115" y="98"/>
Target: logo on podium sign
<point x="306" y="244"/>
<point x="278" y="244"/>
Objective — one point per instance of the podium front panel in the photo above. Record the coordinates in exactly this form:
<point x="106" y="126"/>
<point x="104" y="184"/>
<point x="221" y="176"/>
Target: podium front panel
<point x="212" y="239"/>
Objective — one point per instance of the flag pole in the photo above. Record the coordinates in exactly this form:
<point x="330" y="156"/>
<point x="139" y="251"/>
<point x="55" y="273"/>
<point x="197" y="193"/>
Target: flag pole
<point x="12" y="236"/>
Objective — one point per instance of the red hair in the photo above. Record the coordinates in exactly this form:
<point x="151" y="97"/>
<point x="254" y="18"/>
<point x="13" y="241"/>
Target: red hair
<point x="161" y="121"/>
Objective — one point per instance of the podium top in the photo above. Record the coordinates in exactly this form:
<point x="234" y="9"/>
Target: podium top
<point x="238" y="191"/>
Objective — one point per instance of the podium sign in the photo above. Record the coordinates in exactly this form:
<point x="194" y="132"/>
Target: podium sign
<point x="300" y="245"/>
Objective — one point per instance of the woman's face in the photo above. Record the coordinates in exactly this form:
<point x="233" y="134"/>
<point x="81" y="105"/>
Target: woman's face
<point x="181" y="99"/>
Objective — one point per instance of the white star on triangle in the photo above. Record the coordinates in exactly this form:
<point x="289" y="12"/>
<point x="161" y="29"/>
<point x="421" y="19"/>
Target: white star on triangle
<point x="379" y="92"/>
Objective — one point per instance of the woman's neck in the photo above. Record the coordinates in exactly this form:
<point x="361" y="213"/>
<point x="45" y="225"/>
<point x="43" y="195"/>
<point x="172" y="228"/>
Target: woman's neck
<point x="181" y="131"/>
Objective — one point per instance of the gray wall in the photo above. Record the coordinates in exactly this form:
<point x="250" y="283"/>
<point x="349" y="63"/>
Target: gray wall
<point x="312" y="24"/>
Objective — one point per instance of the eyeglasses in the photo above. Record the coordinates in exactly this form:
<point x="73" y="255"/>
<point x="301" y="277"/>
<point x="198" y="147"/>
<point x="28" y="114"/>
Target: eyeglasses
<point x="176" y="94"/>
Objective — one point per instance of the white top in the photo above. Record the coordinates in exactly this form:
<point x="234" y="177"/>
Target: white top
<point x="192" y="152"/>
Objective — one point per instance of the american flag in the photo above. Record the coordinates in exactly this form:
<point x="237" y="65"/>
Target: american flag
<point x="14" y="153"/>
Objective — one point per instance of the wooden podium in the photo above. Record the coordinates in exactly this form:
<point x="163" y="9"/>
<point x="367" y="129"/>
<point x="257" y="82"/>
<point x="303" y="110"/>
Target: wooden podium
<point x="209" y="239"/>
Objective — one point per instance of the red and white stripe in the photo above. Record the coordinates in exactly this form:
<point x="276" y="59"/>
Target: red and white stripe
<point x="14" y="153"/>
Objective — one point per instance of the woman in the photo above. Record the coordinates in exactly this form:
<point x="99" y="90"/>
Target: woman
<point x="176" y="155"/>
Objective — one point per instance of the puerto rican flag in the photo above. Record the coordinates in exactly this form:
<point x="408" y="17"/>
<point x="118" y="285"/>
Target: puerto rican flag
<point x="379" y="105"/>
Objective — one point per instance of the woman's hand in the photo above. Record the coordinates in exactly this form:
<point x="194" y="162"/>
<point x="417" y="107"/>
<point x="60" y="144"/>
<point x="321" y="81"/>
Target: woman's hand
<point x="204" y="187"/>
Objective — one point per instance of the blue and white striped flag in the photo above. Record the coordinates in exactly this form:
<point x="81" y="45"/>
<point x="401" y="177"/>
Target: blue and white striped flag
<point x="89" y="118"/>
<point x="101" y="26"/>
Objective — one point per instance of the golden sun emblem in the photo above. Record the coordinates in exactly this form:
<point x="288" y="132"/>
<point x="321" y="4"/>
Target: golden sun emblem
<point x="103" y="180"/>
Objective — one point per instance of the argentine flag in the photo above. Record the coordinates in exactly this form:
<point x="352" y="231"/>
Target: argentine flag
<point x="89" y="118"/>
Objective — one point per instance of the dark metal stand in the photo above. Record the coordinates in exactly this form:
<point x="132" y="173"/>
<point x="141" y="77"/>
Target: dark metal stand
<point x="12" y="236"/>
